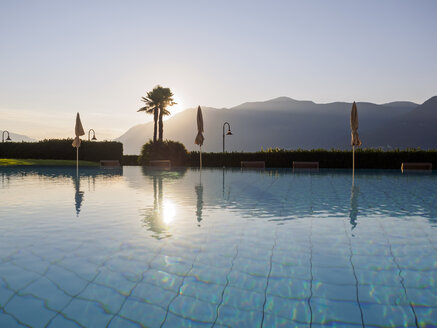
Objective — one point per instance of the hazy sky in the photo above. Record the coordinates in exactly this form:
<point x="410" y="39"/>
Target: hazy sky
<point x="99" y="57"/>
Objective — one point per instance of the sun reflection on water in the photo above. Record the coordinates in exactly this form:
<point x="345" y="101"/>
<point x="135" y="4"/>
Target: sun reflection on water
<point x="168" y="211"/>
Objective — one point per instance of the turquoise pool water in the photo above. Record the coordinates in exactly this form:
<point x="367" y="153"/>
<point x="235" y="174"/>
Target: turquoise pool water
<point x="147" y="248"/>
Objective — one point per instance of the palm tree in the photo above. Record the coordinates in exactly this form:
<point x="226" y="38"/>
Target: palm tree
<point x="157" y="102"/>
<point x="152" y="107"/>
<point x="166" y="99"/>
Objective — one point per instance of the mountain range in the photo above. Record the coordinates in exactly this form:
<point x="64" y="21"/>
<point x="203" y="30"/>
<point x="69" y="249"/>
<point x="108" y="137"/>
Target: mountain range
<point x="290" y="124"/>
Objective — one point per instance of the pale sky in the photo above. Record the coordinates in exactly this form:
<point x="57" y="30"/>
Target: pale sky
<point x="99" y="57"/>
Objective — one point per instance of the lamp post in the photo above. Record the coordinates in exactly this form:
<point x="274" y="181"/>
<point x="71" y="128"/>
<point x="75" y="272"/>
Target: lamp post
<point x="229" y="133"/>
<point x="3" y="136"/>
<point x="94" y="135"/>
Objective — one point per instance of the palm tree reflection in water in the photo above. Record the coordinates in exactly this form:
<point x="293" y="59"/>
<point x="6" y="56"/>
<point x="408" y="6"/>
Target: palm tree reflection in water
<point x="158" y="217"/>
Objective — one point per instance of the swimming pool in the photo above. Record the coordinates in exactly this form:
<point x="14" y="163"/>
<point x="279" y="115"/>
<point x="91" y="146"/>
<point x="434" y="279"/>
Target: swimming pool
<point x="226" y="248"/>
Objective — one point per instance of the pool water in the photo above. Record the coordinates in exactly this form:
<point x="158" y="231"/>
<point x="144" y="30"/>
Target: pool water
<point x="136" y="247"/>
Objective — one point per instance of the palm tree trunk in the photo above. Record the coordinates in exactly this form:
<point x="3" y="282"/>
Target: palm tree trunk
<point x="155" y="119"/>
<point x="161" y="125"/>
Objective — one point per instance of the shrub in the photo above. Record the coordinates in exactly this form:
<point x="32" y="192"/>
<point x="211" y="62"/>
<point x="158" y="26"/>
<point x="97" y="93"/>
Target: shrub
<point x="130" y="160"/>
<point x="160" y="150"/>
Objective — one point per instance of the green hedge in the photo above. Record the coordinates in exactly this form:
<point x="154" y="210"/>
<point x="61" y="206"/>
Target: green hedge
<point x="95" y="151"/>
<point x="364" y="158"/>
<point x="62" y="149"/>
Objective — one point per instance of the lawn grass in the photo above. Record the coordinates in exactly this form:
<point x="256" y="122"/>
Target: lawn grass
<point x="43" y="162"/>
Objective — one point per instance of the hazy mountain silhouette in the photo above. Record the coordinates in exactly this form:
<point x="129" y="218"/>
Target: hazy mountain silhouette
<point x="288" y="123"/>
<point x="416" y="128"/>
<point x="18" y="137"/>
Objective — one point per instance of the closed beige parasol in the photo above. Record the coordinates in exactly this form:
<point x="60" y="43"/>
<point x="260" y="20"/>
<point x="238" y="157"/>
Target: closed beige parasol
<point x="78" y="131"/>
<point x="199" y="138"/>
<point x="355" y="138"/>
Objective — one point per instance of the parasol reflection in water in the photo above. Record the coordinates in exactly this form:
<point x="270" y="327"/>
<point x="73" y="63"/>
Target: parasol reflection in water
<point x="199" y="193"/>
<point x="90" y="175"/>
<point x="353" y="214"/>
<point x="78" y="195"/>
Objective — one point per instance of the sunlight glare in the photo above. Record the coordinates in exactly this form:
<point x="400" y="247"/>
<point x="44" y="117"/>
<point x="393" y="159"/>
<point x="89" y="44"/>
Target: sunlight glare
<point x="178" y="107"/>
<point x="168" y="211"/>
